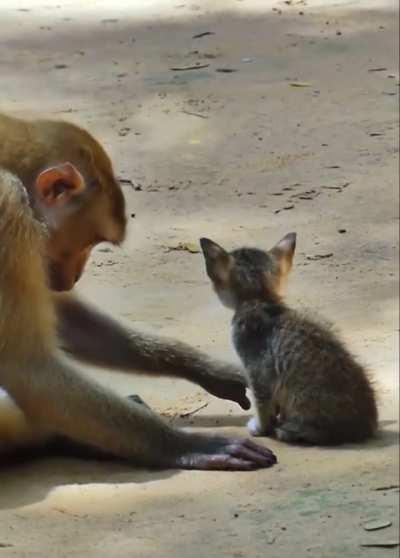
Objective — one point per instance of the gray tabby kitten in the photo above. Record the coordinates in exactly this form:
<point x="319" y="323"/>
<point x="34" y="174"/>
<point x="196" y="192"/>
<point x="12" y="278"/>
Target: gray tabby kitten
<point x="307" y="387"/>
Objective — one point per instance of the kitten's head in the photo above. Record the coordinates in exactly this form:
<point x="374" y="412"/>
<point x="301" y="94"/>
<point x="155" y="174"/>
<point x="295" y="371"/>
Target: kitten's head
<point x="248" y="273"/>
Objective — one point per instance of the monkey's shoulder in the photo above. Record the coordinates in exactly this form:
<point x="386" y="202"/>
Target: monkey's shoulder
<point x="12" y="192"/>
<point x="17" y="220"/>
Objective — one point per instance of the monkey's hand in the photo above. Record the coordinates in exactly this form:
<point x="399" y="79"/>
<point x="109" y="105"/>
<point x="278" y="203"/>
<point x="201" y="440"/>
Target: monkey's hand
<point x="223" y="453"/>
<point x="227" y="383"/>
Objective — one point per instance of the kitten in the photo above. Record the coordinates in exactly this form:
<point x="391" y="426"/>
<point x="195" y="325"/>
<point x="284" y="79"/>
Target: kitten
<point x="307" y="387"/>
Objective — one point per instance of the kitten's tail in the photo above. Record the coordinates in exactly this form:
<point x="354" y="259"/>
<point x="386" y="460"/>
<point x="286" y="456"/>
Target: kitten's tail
<point x="340" y="432"/>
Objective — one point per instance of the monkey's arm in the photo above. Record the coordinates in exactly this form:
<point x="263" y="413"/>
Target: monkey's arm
<point x="92" y="337"/>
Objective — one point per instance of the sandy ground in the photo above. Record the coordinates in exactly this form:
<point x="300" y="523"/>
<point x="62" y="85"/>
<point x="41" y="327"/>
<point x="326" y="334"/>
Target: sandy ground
<point x="242" y="157"/>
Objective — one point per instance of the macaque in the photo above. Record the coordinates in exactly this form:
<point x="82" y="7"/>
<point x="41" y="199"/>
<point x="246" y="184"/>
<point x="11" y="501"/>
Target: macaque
<point x="58" y="199"/>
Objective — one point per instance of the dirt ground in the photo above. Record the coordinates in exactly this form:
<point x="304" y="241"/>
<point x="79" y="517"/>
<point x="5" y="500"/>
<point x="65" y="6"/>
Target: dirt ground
<point x="301" y="136"/>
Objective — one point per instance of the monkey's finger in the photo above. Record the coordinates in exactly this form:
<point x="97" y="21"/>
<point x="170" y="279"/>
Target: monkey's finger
<point x="260" y="460"/>
<point x="262" y="457"/>
<point x="244" y="402"/>
<point x="218" y="462"/>
<point x="240" y="398"/>
<point x="258" y="447"/>
<point x="235" y="392"/>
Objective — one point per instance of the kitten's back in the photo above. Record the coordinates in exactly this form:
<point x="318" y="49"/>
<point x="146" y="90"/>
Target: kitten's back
<point x="325" y="386"/>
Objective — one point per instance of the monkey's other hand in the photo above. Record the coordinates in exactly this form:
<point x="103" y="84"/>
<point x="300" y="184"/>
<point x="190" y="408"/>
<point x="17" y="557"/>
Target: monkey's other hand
<point x="229" y="384"/>
<point x="225" y="454"/>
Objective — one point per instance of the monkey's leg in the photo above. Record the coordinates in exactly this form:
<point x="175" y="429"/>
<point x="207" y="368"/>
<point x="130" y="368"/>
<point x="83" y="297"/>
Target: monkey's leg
<point x="92" y="337"/>
<point x="65" y="446"/>
<point x="16" y="431"/>
<point x="19" y="434"/>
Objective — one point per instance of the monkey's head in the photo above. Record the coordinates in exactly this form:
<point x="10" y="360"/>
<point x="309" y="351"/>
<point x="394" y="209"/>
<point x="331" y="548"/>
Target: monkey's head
<point x="248" y="273"/>
<point x="74" y="191"/>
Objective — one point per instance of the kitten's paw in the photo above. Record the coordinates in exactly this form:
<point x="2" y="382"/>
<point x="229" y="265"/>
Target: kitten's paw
<point x="254" y="427"/>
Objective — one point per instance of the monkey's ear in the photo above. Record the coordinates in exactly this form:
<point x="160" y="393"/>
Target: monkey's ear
<point x="218" y="261"/>
<point x="283" y="252"/>
<point x="59" y="184"/>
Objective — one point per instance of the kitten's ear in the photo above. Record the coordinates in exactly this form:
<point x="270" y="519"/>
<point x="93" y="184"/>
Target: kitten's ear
<point x="283" y="253"/>
<point x="218" y="261"/>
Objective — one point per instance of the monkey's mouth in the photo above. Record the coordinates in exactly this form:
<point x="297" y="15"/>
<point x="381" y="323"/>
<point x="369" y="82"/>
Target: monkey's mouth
<point x="58" y="280"/>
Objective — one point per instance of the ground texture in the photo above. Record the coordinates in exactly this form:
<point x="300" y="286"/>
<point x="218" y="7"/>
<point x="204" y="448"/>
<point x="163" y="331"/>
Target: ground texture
<point x="301" y="136"/>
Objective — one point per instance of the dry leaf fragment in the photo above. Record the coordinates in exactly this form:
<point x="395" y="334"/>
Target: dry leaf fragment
<point x="194" y="114"/>
<point x="184" y="247"/>
<point x="387" y="487"/>
<point x="382" y="544"/>
<point x="185" y="68"/>
<point x="204" y="34"/>
<point x="299" y="84"/>
<point x="286" y="208"/>
<point x="376" y="525"/>
<point x="319" y="256"/>
<point x="126" y="181"/>
<point x="194" y="411"/>
<point x="226" y="70"/>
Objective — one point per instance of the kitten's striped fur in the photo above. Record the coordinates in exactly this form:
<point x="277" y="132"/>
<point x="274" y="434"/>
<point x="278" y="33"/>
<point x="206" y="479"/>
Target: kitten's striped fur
<point x="307" y="387"/>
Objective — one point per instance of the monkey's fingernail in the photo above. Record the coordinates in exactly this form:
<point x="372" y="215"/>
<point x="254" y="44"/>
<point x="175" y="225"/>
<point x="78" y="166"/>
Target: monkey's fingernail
<point x="245" y="404"/>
